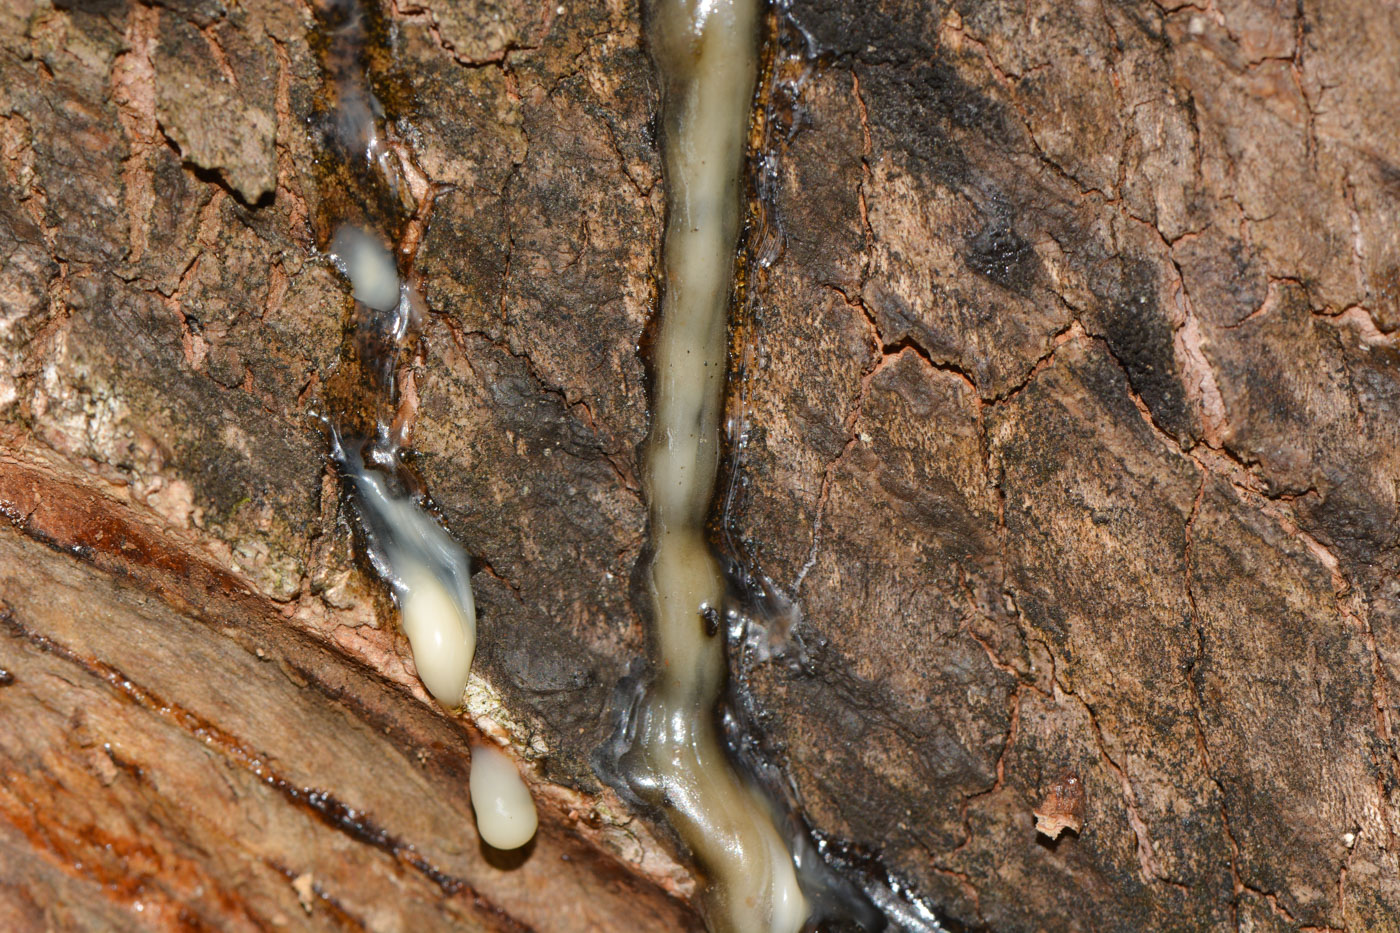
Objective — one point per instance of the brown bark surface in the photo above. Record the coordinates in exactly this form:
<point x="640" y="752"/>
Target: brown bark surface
<point x="1075" y="437"/>
<point x="210" y="699"/>
<point x="1069" y="391"/>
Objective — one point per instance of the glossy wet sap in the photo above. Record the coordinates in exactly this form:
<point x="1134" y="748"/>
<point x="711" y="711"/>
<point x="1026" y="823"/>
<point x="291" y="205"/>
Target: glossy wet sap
<point x="706" y="55"/>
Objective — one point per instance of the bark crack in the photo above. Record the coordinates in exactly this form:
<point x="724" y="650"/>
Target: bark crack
<point x="409" y="12"/>
<point x="1194" y="691"/>
<point x="1148" y="862"/>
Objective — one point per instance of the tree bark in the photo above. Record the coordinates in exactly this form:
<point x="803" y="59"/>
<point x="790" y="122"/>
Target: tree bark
<point x="1063" y="414"/>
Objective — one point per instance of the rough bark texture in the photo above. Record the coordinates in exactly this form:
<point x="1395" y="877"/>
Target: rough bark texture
<point x="1075" y="435"/>
<point x="1071" y="404"/>
<point x="168" y="327"/>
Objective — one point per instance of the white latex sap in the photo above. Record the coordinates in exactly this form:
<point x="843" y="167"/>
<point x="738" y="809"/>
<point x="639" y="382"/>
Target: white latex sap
<point x="705" y="53"/>
<point x="428" y="573"/>
<point x="368" y="265"/>
<point x="505" y="812"/>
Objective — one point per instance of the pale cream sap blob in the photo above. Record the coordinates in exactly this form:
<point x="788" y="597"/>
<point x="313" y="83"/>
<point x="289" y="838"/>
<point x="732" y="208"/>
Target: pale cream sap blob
<point x="429" y="575"/>
<point x="425" y="568"/>
<point x="442" y="636"/>
<point x="505" y="813"/>
<point x="374" y="279"/>
<point x="705" y="53"/>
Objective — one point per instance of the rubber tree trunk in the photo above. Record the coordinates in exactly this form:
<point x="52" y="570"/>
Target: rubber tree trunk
<point x="1065" y="420"/>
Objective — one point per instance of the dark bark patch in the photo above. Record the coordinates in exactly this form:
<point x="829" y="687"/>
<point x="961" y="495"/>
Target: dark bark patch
<point x="1141" y="338"/>
<point x="997" y="252"/>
